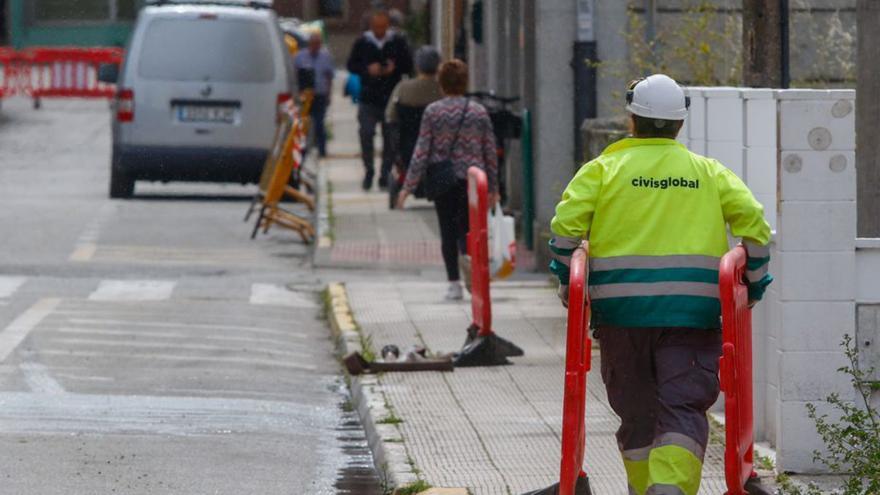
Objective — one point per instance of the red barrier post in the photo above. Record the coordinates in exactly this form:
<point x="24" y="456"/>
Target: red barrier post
<point x="478" y="249"/>
<point x="736" y="375"/>
<point x="482" y="346"/>
<point x="577" y="364"/>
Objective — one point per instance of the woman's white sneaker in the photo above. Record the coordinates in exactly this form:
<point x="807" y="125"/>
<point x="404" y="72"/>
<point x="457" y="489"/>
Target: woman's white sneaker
<point x="455" y="292"/>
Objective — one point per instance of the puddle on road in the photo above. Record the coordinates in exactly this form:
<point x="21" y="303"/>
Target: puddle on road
<point x="359" y="476"/>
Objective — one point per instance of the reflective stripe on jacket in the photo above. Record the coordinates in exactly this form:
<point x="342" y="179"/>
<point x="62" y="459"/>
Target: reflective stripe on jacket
<point x="656" y="216"/>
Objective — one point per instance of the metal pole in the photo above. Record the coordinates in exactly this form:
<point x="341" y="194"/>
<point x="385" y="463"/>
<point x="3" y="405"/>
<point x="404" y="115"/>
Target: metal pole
<point x="585" y="55"/>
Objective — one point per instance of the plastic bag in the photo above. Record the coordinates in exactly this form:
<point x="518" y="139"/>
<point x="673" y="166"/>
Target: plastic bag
<point x="502" y="243"/>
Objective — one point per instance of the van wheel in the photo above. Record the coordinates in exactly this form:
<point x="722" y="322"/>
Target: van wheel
<point x="121" y="185"/>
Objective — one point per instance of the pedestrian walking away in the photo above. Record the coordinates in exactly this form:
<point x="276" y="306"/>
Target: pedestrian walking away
<point x="380" y="58"/>
<point x="318" y="63"/>
<point x="656" y="216"/>
<point x="404" y="114"/>
<point x="455" y="134"/>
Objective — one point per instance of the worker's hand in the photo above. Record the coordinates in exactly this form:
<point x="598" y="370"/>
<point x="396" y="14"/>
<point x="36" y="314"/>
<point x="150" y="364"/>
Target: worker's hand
<point x="389" y="67"/>
<point x="563" y="294"/>
<point x="374" y="69"/>
<point x="401" y="198"/>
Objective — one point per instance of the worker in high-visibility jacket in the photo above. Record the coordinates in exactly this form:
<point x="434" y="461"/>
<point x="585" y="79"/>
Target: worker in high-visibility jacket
<point x="656" y="216"/>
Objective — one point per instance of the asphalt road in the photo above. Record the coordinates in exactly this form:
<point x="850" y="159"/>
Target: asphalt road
<point x="148" y="346"/>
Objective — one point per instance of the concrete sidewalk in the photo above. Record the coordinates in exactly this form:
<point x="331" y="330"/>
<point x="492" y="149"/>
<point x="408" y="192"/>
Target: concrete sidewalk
<point x="491" y="430"/>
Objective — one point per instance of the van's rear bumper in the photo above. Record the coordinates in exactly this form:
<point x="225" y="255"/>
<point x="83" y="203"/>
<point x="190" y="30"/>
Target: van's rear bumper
<point x="166" y="163"/>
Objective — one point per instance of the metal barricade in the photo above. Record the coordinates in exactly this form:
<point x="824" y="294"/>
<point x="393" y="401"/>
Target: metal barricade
<point x="68" y="72"/>
<point x="736" y="375"/>
<point x="482" y="346"/>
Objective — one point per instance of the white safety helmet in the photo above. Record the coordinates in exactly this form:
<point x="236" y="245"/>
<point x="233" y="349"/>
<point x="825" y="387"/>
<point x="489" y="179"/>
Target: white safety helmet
<point x="657" y="97"/>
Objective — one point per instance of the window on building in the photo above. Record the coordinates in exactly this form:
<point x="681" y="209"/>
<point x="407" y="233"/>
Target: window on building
<point x="84" y="10"/>
<point x="331" y="8"/>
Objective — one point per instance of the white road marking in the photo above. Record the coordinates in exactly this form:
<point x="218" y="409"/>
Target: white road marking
<point x="176" y="346"/>
<point x="39" y="380"/>
<point x="18" y="330"/>
<point x="87" y="242"/>
<point x="176" y="335"/>
<point x="134" y="414"/>
<point x="166" y="357"/>
<point x="83" y="252"/>
<point x="9" y="284"/>
<point x="133" y="290"/>
<point x="204" y="326"/>
<point x="276" y="295"/>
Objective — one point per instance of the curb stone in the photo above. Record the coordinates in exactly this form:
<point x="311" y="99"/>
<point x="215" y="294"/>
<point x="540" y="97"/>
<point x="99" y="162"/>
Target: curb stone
<point x="385" y="441"/>
<point x="323" y="234"/>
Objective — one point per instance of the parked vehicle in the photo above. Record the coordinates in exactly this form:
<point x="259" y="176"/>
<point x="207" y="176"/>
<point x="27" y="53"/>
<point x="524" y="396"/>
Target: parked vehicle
<point x="199" y="93"/>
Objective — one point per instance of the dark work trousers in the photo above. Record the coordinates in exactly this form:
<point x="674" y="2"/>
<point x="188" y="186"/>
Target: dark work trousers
<point x="369" y="116"/>
<point x="452" y="214"/>
<point x="661" y="382"/>
<point x="319" y="114"/>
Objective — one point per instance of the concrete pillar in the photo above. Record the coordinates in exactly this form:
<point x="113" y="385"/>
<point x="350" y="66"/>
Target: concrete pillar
<point x="816" y="263"/>
<point x="555" y="30"/>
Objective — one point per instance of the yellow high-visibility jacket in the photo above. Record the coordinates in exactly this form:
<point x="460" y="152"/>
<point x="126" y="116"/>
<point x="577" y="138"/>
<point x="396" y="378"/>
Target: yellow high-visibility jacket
<point x="656" y="216"/>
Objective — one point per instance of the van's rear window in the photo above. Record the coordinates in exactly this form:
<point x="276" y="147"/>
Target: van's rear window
<point x="207" y="50"/>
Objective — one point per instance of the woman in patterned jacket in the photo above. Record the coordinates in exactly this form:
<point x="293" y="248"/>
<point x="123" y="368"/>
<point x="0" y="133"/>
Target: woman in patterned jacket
<point x="458" y="130"/>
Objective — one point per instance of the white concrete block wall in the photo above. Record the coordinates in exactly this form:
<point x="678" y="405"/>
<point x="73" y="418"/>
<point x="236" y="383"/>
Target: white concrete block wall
<point x="725" y="127"/>
<point x="760" y="136"/>
<point x="816" y="268"/>
<point x="696" y="121"/>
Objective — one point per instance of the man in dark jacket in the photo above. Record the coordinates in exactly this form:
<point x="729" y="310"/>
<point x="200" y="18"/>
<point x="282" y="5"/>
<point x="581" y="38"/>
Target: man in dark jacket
<point x="380" y="57"/>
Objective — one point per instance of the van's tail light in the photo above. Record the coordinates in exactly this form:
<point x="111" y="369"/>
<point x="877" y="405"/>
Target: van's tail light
<point x="125" y="105"/>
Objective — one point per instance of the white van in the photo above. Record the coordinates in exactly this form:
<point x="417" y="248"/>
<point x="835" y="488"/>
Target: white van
<point x="199" y="93"/>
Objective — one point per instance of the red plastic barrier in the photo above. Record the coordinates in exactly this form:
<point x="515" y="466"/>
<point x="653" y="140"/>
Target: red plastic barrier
<point x="478" y="249"/>
<point x="9" y="62"/>
<point x="736" y="372"/>
<point x="69" y="72"/>
<point x="577" y="364"/>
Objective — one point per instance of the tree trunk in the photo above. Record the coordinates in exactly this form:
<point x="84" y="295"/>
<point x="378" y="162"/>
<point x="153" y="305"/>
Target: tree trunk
<point x="868" y="118"/>
<point x="762" y="44"/>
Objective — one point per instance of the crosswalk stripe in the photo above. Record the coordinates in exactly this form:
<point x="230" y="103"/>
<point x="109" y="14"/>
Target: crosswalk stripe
<point x="204" y="326"/>
<point x="97" y="342"/>
<point x="10" y="284"/>
<point x="178" y="336"/>
<point x="276" y="295"/>
<point x="133" y="290"/>
<point x="152" y="357"/>
<point x="18" y="330"/>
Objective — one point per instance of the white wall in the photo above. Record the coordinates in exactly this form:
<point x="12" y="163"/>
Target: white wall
<point x="795" y="150"/>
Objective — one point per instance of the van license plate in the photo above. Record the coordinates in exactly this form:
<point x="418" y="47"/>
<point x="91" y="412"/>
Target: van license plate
<point x="204" y="113"/>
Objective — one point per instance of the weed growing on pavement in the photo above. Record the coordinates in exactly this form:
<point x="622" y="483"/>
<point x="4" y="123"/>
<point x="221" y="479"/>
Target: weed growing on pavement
<point x="764" y="463"/>
<point x="391" y="419"/>
<point x="331" y="216"/>
<point x="414" y="488"/>
<point x="367" y="350"/>
<point x="326" y="304"/>
<point x="788" y="487"/>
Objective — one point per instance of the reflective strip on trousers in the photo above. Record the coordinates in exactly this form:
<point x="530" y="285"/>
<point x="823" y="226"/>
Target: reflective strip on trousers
<point x="635" y="461"/>
<point x="673" y="469"/>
